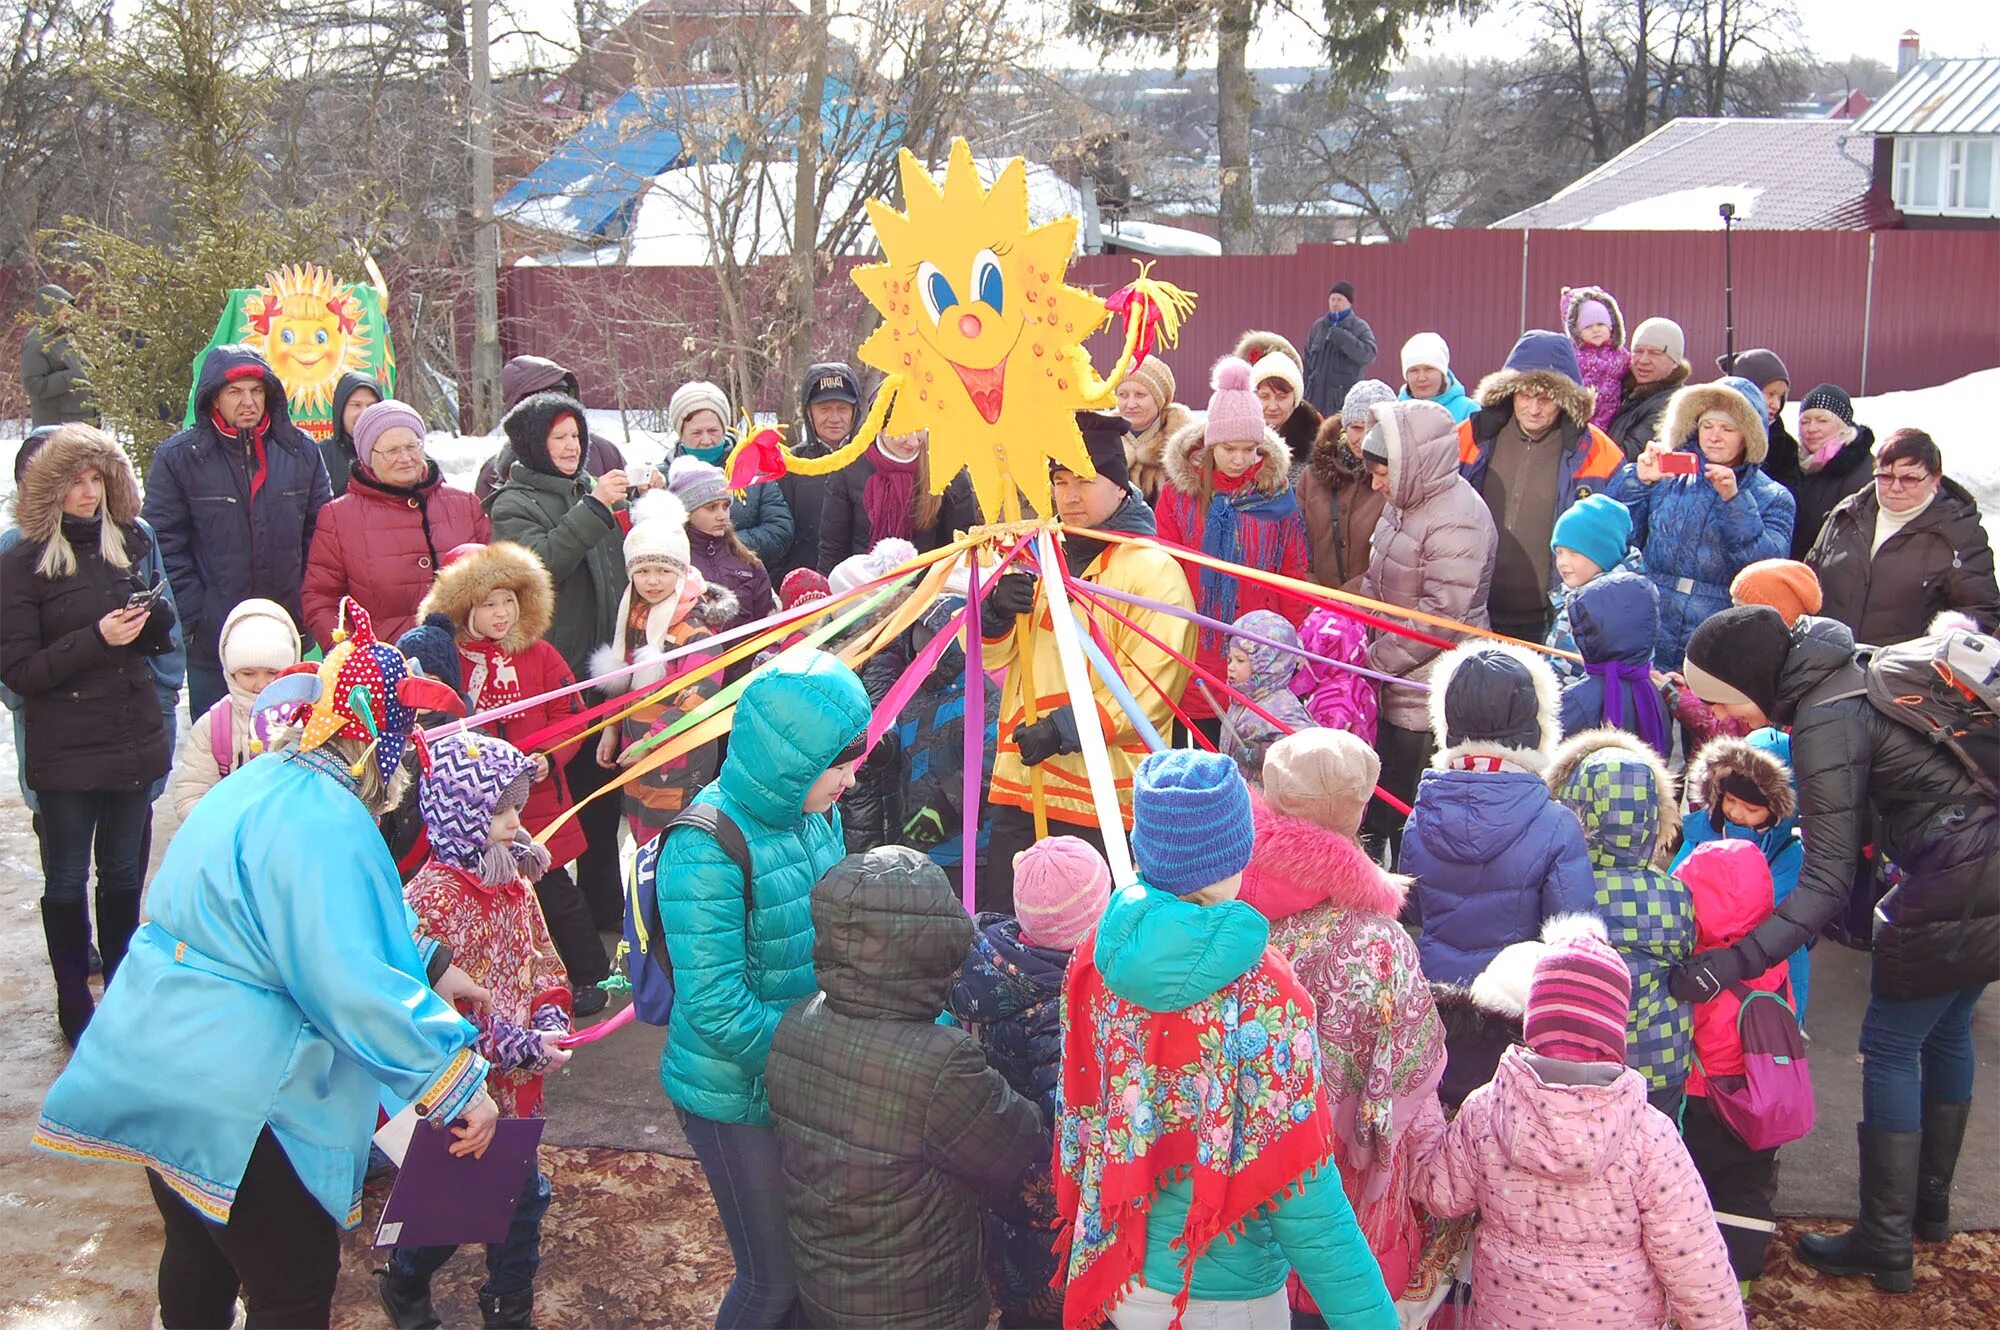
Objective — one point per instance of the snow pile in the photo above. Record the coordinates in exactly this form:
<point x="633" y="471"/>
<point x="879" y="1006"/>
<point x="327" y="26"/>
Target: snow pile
<point x="1697" y="209"/>
<point x="1958" y="416"/>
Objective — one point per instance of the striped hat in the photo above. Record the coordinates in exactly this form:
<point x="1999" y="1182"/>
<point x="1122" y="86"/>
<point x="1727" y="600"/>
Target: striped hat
<point x="1061" y="886"/>
<point x="1581" y="997"/>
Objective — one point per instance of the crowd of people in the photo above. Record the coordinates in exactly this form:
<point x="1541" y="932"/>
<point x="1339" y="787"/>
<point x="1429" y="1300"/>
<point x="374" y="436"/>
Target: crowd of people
<point x="1429" y="937"/>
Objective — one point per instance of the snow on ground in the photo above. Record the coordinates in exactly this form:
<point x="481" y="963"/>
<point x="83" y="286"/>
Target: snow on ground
<point x="1956" y="414"/>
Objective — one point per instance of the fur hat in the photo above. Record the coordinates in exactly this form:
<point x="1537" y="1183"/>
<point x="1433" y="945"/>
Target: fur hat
<point x="1580" y="1000"/>
<point x="1543" y="363"/>
<point x="1737" y="656"/>
<point x="378" y="419"/>
<point x="68" y="453"/>
<point x="1664" y="334"/>
<point x="1061" y="886"/>
<point x="1363" y="395"/>
<point x="1234" y="413"/>
<point x="1252" y="347"/>
<point x="701" y="395"/>
<point x="1325" y="777"/>
<point x="1740" y="401"/>
<point x="1426" y="348"/>
<point x="659" y="532"/>
<point x="476" y="572"/>
<point x="695" y="482"/>
<point x="1750" y="771"/>
<point x="527" y="425"/>
<point x="1494" y="699"/>
<point x="1786" y="585"/>
<point x="1154" y="375"/>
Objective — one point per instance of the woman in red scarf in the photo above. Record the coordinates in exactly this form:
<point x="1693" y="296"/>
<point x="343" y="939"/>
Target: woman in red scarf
<point x="887" y="493"/>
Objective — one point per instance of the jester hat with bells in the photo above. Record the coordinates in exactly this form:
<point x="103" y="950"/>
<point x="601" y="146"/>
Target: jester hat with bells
<point x="363" y="690"/>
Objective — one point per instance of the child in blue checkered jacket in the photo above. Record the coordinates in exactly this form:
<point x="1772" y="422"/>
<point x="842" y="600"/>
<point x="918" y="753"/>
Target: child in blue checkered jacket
<point x="1623" y="794"/>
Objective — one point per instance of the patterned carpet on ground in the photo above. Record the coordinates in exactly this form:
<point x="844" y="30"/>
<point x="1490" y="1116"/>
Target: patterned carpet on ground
<point x="632" y="1240"/>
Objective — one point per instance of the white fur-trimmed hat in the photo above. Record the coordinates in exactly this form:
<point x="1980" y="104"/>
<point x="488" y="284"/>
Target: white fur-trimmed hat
<point x="659" y="532"/>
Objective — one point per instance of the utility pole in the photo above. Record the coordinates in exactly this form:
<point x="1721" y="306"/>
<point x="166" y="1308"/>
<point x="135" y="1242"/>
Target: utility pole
<point x="805" y="195"/>
<point x="486" y="403"/>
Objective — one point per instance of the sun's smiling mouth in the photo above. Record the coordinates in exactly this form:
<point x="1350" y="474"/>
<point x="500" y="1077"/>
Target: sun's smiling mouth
<point x="986" y="388"/>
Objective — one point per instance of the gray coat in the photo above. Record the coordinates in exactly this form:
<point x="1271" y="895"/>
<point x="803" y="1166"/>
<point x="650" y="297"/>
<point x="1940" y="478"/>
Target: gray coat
<point x="1433" y="549"/>
<point x="51" y="370"/>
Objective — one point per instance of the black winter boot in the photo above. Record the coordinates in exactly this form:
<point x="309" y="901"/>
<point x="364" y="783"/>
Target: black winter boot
<point x="407" y="1300"/>
<point x="117" y="917"/>
<point x="1944" y="1132"/>
<point x="67" y="929"/>
<point x="1879" y="1244"/>
<point x="514" y="1311"/>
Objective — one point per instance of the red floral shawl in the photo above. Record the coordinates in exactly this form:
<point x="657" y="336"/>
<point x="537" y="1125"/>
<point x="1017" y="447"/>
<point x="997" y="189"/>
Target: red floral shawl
<point x="1227" y="1091"/>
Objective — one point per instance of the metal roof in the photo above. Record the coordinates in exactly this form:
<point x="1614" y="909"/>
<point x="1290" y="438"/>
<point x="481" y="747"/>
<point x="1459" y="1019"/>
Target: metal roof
<point x="1781" y="175"/>
<point x="1940" y="97"/>
<point x="590" y="182"/>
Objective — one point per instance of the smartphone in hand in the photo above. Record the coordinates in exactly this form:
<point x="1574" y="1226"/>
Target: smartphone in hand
<point x="145" y="600"/>
<point x="1679" y="464"/>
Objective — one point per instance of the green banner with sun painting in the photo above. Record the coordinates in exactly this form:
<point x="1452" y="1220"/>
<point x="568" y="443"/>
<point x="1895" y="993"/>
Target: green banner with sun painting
<point x="311" y="329"/>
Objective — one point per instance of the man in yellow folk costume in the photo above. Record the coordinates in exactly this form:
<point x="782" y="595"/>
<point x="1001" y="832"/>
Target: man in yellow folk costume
<point x="981" y="349"/>
<point x="1049" y="745"/>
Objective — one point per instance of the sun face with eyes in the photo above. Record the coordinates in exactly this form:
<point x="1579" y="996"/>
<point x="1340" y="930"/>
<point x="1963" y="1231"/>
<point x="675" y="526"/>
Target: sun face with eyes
<point x="982" y="329"/>
<point x="310" y="331"/>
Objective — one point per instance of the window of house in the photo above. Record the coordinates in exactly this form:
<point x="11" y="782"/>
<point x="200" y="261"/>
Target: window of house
<point x="1946" y="176"/>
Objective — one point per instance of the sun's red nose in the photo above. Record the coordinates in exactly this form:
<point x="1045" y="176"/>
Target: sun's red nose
<point x="969" y="325"/>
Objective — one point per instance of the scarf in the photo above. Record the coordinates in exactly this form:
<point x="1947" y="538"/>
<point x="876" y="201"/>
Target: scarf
<point x="1226" y="1093"/>
<point x="889" y="494"/>
<point x="1813" y="460"/>
<point x="490" y="677"/>
<point x="1634" y="678"/>
<point x="260" y="461"/>
<point x="1221" y="537"/>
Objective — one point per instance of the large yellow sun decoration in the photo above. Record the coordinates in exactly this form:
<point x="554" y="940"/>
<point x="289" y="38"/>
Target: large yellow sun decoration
<point x="982" y="338"/>
<point x="310" y="331"/>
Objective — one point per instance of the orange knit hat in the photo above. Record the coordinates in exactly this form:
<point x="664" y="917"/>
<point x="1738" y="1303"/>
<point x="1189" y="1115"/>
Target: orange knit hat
<point x="1786" y="585"/>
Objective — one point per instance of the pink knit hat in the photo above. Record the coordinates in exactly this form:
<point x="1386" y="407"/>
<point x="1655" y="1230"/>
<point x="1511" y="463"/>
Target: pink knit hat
<point x="1061" y="886"/>
<point x="1234" y="413"/>
<point x="1581" y="997"/>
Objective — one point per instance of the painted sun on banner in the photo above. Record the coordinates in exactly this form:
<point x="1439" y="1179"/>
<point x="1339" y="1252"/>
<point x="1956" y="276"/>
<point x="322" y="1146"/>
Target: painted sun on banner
<point x="311" y="329"/>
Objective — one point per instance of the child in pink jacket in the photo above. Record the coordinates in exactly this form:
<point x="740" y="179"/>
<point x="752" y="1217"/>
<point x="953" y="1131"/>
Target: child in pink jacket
<point x="1591" y="1212"/>
<point x="1597" y="327"/>
<point x="1338" y="699"/>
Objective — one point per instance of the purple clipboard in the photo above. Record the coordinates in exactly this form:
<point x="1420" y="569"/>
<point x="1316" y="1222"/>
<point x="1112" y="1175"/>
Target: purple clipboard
<point x="443" y="1201"/>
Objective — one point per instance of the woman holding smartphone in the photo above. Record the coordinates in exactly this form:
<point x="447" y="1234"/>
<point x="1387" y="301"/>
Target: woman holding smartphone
<point x="1702" y="507"/>
<point x="77" y="623"/>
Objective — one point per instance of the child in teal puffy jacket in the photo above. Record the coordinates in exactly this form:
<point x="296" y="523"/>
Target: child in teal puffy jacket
<point x="1194" y="1118"/>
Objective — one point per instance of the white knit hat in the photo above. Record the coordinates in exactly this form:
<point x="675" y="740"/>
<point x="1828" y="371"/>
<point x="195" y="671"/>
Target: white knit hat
<point x="258" y="634"/>
<point x="1426" y="348"/>
<point x="1277" y="365"/>
<point x="659" y="532"/>
<point x="889" y="553"/>
<point x="701" y="395"/>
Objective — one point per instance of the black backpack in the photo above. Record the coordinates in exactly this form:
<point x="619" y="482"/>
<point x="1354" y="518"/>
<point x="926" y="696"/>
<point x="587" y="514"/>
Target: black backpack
<point x="1946" y="688"/>
<point x="645" y="941"/>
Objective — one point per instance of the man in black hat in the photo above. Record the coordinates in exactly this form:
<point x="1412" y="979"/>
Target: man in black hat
<point x="1107" y="502"/>
<point x="1340" y="346"/>
<point x="829" y="412"/>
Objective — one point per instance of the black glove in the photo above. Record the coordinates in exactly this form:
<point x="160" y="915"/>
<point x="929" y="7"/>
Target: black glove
<point x="1706" y="974"/>
<point x="1005" y="601"/>
<point x="1051" y="736"/>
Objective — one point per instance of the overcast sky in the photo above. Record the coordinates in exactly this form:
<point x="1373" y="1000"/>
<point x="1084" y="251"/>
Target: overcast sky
<point x="1834" y="29"/>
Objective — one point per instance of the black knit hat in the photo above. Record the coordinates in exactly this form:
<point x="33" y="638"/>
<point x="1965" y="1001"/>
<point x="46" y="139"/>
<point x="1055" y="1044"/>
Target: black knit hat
<point x="1738" y="655"/>
<point x="1828" y="397"/>
<point x="1343" y="288"/>
<point x="1104" y="440"/>
<point x="1760" y="366"/>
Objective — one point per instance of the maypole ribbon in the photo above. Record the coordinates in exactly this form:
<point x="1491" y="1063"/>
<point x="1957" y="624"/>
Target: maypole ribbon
<point x="975" y="735"/>
<point x="1315" y="594"/>
<point x="1089" y="729"/>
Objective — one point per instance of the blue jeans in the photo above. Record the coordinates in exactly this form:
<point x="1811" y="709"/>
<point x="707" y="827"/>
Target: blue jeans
<point x="1914" y="1053"/>
<point x="112" y="823"/>
<point x="206" y="685"/>
<point x="510" y="1265"/>
<point x="741" y="1164"/>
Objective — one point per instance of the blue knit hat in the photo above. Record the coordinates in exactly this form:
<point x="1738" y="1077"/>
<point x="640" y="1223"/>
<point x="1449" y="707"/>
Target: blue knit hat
<point x="1544" y="350"/>
<point x="1596" y="526"/>
<point x="1190" y="820"/>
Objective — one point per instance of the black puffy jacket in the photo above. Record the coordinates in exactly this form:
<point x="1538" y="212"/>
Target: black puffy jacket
<point x="1819" y="492"/>
<point x="1865" y="779"/>
<point x="893" y="1133"/>
<point x="872" y="813"/>
<point x="1941" y="561"/>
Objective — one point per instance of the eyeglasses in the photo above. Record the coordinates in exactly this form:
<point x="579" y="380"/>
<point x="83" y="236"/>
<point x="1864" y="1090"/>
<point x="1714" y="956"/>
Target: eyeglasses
<point x="405" y="450"/>
<point x="1901" y="480"/>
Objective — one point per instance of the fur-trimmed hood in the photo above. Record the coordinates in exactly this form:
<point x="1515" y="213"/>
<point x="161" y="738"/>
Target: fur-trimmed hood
<point x="1498" y="388"/>
<point x="1547" y="702"/>
<point x="1574" y="296"/>
<point x="1297" y="865"/>
<point x="70" y="452"/>
<point x="1144" y="448"/>
<point x="1332" y="460"/>
<point x="1631" y="813"/>
<point x="1719" y="759"/>
<point x="1691" y="402"/>
<point x="1185" y="456"/>
<point x="483" y="569"/>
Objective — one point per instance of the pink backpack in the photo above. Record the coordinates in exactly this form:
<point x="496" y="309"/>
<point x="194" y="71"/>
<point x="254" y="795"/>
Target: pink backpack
<point x="1771" y="1103"/>
<point x="222" y="733"/>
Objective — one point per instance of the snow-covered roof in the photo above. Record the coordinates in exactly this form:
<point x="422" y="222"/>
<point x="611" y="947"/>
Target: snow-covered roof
<point x="1782" y="175"/>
